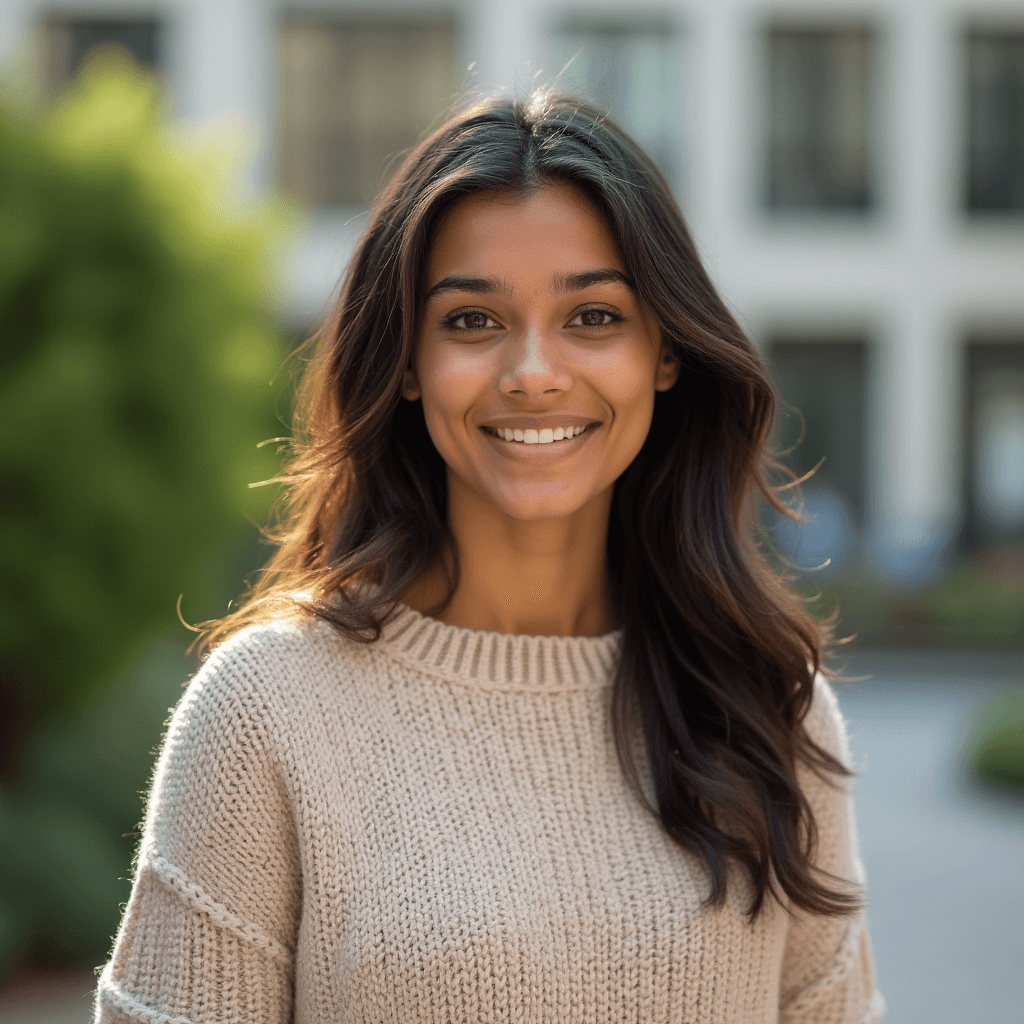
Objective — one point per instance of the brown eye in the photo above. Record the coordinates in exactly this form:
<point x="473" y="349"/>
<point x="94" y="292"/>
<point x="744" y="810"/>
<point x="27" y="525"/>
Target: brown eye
<point x="474" y="320"/>
<point x="595" y="318"/>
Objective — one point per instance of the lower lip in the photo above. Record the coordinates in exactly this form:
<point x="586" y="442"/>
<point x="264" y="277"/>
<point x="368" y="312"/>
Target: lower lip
<point x="520" y="451"/>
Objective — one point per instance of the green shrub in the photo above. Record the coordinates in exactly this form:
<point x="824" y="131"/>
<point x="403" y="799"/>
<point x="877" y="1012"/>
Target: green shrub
<point x="974" y="608"/>
<point x="137" y="353"/>
<point x="997" y="752"/>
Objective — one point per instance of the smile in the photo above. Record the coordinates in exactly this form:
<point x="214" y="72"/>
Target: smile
<point x="530" y="436"/>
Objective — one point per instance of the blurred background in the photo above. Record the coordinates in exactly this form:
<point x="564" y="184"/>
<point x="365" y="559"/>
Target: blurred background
<point x="180" y="186"/>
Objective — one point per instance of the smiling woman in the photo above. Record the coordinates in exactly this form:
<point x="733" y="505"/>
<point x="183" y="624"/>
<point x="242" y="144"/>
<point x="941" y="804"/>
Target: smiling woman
<point x="519" y="724"/>
<point x="532" y="332"/>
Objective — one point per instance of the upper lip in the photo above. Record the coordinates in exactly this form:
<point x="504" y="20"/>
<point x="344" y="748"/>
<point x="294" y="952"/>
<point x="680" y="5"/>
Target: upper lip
<point x="551" y="419"/>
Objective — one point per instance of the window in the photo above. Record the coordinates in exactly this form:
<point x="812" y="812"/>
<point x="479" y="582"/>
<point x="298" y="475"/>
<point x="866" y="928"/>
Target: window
<point x="818" y="119"/>
<point x="69" y="41"/>
<point x="995" y="121"/>
<point x="632" y="68"/>
<point x="825" y="382"/>
<point x="994" y="426"/>
<point x="353" y="95"/>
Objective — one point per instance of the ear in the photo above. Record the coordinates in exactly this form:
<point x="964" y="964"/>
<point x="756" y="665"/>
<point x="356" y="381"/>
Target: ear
<point x="667" y="372"/>
<point x="411" y="385"/>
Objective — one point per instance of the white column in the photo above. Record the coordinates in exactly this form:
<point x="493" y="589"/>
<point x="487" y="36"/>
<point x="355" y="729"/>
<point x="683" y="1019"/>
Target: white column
<point x="17" y="19"/>
<point x="914" y="491"/>
<point x="719" y="151"/>
<point x="224" y="76"/>
<point x="912" y="506"/>
<point x="505" y="43"/>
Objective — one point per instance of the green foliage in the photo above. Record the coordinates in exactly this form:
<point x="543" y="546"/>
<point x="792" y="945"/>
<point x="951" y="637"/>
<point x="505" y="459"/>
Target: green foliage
<point x="972" y="607"/>
<point x="997" y="752"/>
<point x="137" y="356"/>
<point x="67" y="830"/>
<point x="137" y="351"/>
<point x="978" y="608"/>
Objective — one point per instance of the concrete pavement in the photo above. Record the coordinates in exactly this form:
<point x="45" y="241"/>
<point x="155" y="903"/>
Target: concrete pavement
<point x="944" y="855"/>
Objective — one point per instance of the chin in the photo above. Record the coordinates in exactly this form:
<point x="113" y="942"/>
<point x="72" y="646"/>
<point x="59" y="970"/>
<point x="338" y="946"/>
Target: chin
<point x="540" y="506"/>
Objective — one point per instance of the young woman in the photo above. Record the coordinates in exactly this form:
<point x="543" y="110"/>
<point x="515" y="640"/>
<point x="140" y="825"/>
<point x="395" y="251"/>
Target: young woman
<point x="519" y="725"/>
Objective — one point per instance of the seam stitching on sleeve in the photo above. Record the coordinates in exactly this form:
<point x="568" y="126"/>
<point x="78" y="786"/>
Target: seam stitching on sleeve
<point x="181" y="885"/>
<point x="845" y="958"/>
<point x="113" y="995"/>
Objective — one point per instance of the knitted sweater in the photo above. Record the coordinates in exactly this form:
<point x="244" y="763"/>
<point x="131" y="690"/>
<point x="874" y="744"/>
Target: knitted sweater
<point x="435" y="827"/>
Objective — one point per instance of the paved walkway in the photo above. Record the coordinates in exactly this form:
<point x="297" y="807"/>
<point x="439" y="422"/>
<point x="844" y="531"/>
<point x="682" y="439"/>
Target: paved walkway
<point x="945" y="858"/>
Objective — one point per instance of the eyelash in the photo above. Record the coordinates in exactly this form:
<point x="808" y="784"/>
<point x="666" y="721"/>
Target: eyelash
<point x="450" y="320"/>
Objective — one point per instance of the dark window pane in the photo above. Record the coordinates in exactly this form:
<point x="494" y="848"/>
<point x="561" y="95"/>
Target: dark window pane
<point x="995" y="121"/>
<point x="352" y="97"/>
<point x="825" y="382"/>
<point x="69" y="41"/>
<point x="994" y="429"/>
<point x="819" y="93"/>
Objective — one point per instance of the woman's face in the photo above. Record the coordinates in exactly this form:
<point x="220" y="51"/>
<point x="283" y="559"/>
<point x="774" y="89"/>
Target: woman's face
<point x="531" y="330"/>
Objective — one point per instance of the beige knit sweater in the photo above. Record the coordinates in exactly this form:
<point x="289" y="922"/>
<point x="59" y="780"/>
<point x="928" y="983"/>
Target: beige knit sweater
<point x="435" y="828"/>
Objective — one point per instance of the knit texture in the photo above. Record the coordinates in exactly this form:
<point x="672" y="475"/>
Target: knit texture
<point x="435" y="827"/>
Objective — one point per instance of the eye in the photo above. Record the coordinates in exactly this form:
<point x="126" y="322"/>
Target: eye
<point x="470" y="320"/>
<point x="595" y="316"/>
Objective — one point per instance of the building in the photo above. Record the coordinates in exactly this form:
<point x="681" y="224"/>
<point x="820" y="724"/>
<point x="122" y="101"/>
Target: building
<point x="853" y="173"/>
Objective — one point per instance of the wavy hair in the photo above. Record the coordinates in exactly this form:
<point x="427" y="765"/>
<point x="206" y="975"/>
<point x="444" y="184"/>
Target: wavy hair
<point x="718" y="655"/>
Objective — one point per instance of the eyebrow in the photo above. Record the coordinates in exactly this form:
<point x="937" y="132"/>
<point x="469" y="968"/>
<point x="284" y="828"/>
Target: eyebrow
<point x="563" y="282"/>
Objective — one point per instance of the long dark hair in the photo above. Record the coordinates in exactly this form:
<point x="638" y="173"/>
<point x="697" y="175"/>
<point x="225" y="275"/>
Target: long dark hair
<point x="718" y="655"/>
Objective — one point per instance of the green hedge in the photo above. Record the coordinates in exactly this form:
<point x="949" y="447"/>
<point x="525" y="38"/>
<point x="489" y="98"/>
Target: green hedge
<point x="997" y="751"/>
<point x="138" y="357"/>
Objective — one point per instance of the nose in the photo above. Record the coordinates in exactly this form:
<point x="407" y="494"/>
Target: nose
<point x="532" y="366"/>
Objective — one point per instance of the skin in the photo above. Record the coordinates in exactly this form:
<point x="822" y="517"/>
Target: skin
<point x="506" y="335"/>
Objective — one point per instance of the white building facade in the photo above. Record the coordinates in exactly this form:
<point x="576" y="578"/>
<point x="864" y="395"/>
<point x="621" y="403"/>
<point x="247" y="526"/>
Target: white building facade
<point x="853" y="174"/>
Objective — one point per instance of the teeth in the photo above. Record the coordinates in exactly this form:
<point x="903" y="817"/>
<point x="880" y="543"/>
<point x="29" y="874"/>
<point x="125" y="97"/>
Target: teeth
<point x="545" y="436"/>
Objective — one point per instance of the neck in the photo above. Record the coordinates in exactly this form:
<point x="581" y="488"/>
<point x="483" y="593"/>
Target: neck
<point x="546" y="577"/>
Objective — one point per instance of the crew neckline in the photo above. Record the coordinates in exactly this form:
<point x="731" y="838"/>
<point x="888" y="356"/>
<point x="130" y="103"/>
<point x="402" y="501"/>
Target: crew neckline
<point x="506" y="661"/>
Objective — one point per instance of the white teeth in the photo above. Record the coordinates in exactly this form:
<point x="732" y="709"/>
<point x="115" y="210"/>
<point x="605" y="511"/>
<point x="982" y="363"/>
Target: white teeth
<point x="545" y="436"/>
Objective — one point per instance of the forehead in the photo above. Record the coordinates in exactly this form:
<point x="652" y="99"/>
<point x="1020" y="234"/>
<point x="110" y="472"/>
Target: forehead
<point x="555" y="228"/>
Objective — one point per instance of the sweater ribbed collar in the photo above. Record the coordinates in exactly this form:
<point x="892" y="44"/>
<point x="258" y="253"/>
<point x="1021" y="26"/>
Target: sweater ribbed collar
<point x="501" y="661"/>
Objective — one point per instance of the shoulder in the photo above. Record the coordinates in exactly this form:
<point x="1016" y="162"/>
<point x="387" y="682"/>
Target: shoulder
<point x="255" y="678"/>
<point x="824" y="722"/>
<point x="263" y="649"/>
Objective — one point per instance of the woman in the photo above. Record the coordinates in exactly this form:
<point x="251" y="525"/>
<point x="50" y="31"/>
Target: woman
<point x="519" y="725"/>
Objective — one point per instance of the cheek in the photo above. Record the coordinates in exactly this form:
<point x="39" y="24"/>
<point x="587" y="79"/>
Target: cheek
<point x="629" y="390"/>
<point x="451" y="383"/>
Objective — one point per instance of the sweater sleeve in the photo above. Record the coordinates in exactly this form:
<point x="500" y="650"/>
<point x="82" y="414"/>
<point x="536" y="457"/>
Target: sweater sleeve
<point x="210" y="928"/>
<point x="828" y="976"/>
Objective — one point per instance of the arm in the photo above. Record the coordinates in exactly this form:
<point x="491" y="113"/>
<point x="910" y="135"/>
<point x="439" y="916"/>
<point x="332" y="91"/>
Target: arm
<point x="828" y="976"/>
<point x="209" y="931"/>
